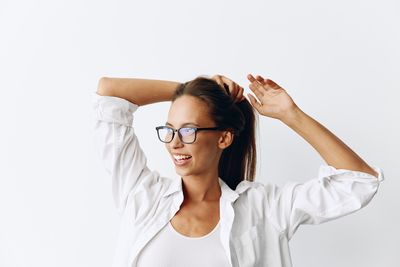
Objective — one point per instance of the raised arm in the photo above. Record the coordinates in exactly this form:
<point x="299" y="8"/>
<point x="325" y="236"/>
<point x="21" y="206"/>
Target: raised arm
<point x="345" y="186"/>
<point x="276" y="103"/>
<point x="114" y="103"/>
<point x="138" y="91"/>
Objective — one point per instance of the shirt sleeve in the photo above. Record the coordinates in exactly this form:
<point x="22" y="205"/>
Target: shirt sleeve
<point x="119" y="148"/>
<point x="333" y="194"/>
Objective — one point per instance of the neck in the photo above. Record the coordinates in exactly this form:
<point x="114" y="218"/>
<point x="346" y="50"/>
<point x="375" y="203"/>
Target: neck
<point x="204" y="188"/>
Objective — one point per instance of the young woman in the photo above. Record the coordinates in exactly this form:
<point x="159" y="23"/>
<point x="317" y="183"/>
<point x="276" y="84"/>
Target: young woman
<point x="216" y="214"/>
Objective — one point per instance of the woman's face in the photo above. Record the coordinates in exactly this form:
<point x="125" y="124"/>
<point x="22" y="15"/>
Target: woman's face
<point x="203" y="155"/>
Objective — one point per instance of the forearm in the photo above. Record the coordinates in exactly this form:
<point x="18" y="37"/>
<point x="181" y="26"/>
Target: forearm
<point x="335" y="152"/>
<point x="138" y="91"/>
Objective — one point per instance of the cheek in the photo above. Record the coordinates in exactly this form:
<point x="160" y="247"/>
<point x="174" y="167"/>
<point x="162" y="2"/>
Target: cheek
<point x="206" y="150"/>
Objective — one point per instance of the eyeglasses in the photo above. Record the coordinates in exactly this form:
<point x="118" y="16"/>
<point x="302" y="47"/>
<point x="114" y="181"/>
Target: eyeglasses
<point x="186" y="134"/>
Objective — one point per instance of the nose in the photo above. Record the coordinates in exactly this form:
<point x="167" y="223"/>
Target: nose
<point x="176" y="141"/>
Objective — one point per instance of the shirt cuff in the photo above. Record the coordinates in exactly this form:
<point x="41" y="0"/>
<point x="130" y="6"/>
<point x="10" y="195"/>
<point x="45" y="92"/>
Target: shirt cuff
<point x="327" y="170"/>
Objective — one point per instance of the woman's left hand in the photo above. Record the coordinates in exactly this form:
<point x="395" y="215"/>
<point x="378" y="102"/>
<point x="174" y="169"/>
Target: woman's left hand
<point x="273" y="100"/>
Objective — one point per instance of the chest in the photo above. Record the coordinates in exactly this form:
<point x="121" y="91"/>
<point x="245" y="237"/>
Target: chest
<point x="196" y="220"/>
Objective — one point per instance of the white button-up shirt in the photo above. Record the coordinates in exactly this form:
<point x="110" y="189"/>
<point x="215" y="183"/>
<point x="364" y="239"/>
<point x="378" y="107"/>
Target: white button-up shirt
<point x="257" y="220"/>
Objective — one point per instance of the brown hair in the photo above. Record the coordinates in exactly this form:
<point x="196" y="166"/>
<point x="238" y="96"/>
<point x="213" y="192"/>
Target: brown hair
<point x="238" y="161"/>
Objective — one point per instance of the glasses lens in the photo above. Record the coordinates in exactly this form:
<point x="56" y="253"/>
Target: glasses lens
<point x="187" y="134"/>
<point x="165" y="134"/>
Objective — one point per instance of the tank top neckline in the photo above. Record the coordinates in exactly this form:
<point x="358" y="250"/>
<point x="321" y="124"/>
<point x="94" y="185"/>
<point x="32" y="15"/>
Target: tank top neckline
<point x="191" y="237"/>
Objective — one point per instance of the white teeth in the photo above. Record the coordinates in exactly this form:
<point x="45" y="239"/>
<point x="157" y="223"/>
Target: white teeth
<point x="180" y="157"/>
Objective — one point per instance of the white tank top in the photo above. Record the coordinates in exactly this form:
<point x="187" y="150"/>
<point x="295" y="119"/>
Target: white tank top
<point x="170" y="248"/>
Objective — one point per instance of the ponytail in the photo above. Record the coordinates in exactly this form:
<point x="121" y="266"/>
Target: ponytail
<point x="238" y="161"/>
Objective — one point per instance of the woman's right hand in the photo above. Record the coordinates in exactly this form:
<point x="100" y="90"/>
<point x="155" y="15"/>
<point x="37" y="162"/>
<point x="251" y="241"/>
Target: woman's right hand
<point x="235" y="90"/>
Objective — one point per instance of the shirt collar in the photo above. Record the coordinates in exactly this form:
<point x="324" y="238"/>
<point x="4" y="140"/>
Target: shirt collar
<point x="227" y="192"/>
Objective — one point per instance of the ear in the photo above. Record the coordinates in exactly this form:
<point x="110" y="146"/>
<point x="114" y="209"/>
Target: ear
<point x="225" y="139"/>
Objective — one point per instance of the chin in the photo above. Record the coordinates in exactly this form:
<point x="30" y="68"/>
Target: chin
<point x="182" y="172"/>
<point x="185" y="171"/>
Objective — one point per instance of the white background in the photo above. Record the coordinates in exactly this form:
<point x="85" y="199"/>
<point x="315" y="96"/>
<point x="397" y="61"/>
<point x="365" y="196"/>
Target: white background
<point x="339" y="60"/>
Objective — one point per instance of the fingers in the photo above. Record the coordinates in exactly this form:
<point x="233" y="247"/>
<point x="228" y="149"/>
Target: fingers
<point x="256" y="86"/>
<point x="260" y="79"/>
<point x="254" y="103"/>
<point x="268" y="83"/>
<point x="234" y="90"/>
<point x="262" y="84"/>
<point x="240" y="97"/>
<point x="272" y="84"/>
<point x="238" y="94"/>
<point x="218" y="79"/>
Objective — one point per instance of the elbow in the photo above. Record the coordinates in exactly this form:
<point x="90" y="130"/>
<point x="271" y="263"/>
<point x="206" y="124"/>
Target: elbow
<point x="374" y="173"/>
<point x="371" y="171"/>
<point x="365" y="168"/>
<point x="103" y="86"/>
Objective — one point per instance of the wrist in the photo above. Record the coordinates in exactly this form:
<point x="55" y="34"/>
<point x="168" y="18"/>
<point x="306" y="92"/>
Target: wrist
<point x="292" y="116"/>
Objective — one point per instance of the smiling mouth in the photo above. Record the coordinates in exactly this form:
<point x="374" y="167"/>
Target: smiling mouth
<point x="181" y="159"/>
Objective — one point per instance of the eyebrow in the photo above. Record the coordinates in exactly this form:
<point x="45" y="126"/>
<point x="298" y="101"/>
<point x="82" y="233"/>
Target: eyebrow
<point x="185" y="124"/>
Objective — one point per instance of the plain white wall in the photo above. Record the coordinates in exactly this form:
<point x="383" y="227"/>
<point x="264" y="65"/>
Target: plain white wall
<point x="339" y="60"/>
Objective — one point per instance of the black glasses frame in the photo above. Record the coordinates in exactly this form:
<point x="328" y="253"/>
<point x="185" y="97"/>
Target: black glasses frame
<point x="196" y="129"/>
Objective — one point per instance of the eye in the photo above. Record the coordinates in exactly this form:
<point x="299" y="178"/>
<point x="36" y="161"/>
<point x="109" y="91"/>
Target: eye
<point x="165" y="133"/>
<point x="187" y="131"/>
